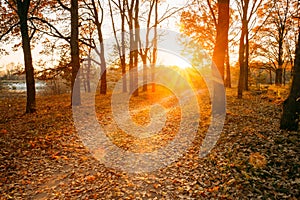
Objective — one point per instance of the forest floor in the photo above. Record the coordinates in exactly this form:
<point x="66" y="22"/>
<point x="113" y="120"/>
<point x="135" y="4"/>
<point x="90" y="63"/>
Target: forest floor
<point x="42" y="156"/>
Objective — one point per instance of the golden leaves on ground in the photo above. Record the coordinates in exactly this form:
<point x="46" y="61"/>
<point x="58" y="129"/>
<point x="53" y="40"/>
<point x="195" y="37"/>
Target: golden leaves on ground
<point x="41" y="157"/>
<point x="257" y="160"/>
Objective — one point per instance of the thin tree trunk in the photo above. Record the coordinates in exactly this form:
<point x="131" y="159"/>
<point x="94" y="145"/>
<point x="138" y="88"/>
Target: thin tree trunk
<point x="136" y="50"/>
<point x="83" y="78"/>
<point x="153" y="63"/>
<point x="88" y="72"/>
<point x="121" y="48"/>
<point x="271" y="81"/>
<point x="228" y="73"/>
<point x="278" y="76"/>
<point x="284" y="74"/>
<point x="145" y="72"/>
<point x="103" y="84"/>
<point x="123" y="51"/>
<point x="247" y="58"/>
<point x="75" y="84"/>
<point x="131" y="53"/>
<point x="241" y="83"/>
<point x="23" y="7"/>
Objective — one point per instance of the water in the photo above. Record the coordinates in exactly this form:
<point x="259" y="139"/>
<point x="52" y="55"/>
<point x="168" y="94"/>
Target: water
<point x="20" y="86"/>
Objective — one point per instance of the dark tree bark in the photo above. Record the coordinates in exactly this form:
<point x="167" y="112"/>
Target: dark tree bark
<point x="242" y="74"/>
<point x="136" y="50"/>
<point x="284" y="76"/>
<point x="121" y="47"/>
<point x="270" y="73"/>
<point x="280" y="61"/>
<point x="228" y="72"/>
<point x="144" y="52"/>
<point x="131" y="44"/>
<point x="222" y="36"/>
<point x="278" y="76"/>
<point x="145" y="72"/>
<point x="154" y="52"/>
<point x="22" y="8"/>
<point x="219" y="56"/>
<point x="75" y="63"/>
<point x="98" y="23"/>
<point x="291" y="106"/>
<point x="247" y="58"/>
<point x="88" y="72"/>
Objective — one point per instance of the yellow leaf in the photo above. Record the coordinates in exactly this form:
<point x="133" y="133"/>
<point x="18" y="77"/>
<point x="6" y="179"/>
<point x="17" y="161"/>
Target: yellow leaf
<point x="257" y="160"/>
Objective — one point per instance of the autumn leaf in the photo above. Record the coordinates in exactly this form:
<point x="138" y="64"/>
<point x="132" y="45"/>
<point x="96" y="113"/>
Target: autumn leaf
<point x="257" y="160"/>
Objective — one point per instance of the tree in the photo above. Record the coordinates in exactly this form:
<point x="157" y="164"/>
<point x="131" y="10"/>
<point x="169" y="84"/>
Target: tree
<point x="247" y="9"/>
<point x="144" y="51"/>
<point x="242" y="49"/>
<point x="135" y="47"/>
<point x="132" y="20"/>
<point x="15" y="18"/>
<point x="121" y="46"/>
<point x="277" y="36"/>
<point x="219" y="55"/>
<point x="154" y="51"/>
<point x="75" y="63"/>
<point x="89" y="32"/>
<point x="291" y="106"/>
<point x="199" y="22"/>
<point x="94" y="8"/>
<point x="222" y="36"/>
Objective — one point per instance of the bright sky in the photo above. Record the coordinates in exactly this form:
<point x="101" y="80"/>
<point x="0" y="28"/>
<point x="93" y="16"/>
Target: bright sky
<point x="17" y="57"/>
<point x="165" y="58"/>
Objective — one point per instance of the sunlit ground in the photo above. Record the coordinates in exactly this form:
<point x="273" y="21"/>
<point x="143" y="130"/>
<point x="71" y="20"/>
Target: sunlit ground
<point x="140" y="109"/>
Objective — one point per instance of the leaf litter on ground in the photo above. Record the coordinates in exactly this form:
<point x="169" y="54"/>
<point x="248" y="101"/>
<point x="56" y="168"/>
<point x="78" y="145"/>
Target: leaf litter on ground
<point x="42" y="157"/>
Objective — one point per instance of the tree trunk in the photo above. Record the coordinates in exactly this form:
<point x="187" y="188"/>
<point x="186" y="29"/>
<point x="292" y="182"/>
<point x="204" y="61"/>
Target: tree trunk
<point x="219" y="57"/>
<point x="131" y="53"/>
<point x="136" y="50"/>
<point x="291" y="106"/>
<point x="145" y="72"/>
<point x="98" y="23"/>
<point x="154" y="56"/>
<point x="279" y="70"/>
<point x="284" y="74"/>
<point x="103" y="86"/>
<point x="241" y="83"/>
<point x="121" y="48"/>
<point x="83" y="79"/>
<point x="88" y="72"/>
<point x="23" y="7"/>
<point x="271" y="81"/>
<point x="247" y="58"/>
<point x="228" y="73"/>
<point x="278" y="76"/>
<point x="123" y="52"/>
<point x="75" y="84"/>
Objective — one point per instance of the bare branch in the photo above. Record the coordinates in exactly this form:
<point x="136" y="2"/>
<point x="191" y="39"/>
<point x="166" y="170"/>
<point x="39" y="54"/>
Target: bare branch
<point x="9" y="30"/>
<point x="212" y="12"/>
<point x="64" y="6"/>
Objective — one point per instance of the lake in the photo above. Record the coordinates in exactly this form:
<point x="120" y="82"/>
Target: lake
<point x="20" y="85"/>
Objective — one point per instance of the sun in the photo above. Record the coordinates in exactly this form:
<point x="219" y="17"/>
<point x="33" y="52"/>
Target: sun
<point x="168" y="59"/>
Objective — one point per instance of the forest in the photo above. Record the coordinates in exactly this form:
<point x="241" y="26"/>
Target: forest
<point x="149" y="99"/>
